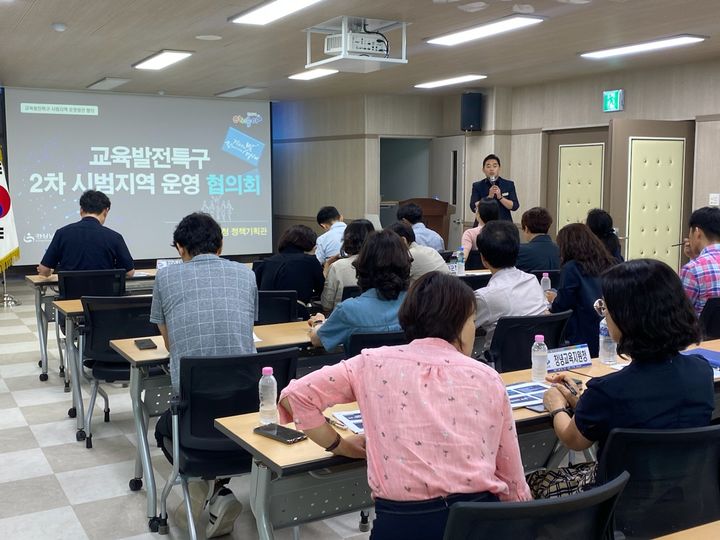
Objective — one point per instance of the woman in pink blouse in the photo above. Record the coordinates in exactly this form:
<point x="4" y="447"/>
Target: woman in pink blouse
<point x="438" y="425"/>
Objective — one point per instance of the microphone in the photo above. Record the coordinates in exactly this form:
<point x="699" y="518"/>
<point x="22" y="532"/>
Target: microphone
<point x="492" y="179"/>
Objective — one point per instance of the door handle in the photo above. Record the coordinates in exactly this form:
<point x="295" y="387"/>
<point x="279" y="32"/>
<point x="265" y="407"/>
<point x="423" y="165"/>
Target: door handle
<point x="457" y="221"/>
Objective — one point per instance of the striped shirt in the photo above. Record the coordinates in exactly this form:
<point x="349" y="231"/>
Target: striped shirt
<point x="701" y="277"/>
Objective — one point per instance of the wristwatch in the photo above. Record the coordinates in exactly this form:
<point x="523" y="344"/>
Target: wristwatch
<point x="563" y="409"/>
<point x="334" y="445"/>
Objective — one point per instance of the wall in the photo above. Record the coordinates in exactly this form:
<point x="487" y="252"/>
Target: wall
<point x="404" y="168"/>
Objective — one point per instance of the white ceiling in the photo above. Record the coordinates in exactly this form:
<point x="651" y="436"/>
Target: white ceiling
<point x="105" y="37"/>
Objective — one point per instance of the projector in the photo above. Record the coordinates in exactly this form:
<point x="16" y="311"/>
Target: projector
<point x="358" y="43"/>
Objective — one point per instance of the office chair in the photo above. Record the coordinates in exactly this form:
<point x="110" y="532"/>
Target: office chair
<point x="710" y="319"/>
<point x="215" y="387"/>
<point x="107" y="318"/>
<point x="277" y="307"/>
<point x="372" y="340"/>
<point x="350" y="291"/>
<point x="473" y="261"/>
<point x="674" y="478"/>
<point x="476" y="281"/>
<point x="514" y="337"/>
<point x="586" y="515"/>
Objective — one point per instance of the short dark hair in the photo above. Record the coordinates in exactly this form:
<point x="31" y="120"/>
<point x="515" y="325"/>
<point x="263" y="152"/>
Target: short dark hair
<point x="708" y="220"/>
<point x="537" y="220"/>
<point x="647" y="302"/>
<point x="383" y="264"/>
<point x="437" y="305"/>
<point x="94" y="202"/>
<point x="355" y="234"/>
<point x="499" y="244"/>
<point x="576" y="242"/>
<point x="601" y="224"/>
<point x="198" y="233"/>
<point x="489" y="157"/>
<point x="487" y="210"/>
<point x="301" y="237"/>
<point x="411" y="212"/>
<point x="403" y="230"/>
<point x="327" y="214"/>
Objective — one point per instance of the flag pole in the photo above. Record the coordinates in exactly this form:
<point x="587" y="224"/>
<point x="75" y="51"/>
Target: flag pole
<point x="7" y="299"/>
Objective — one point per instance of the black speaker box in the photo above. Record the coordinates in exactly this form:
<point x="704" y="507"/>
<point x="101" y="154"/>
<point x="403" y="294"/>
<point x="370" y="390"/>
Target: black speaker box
<point x="471" y="111"/>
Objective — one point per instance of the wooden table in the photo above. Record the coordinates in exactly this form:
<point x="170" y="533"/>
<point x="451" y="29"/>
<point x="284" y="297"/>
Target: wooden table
<point x="709" y="531"/>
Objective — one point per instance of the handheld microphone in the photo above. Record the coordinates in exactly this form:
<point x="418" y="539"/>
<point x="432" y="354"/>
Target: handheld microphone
<point x="492" y="179"/>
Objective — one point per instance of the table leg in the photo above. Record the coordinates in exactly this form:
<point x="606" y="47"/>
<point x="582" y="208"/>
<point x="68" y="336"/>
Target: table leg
<point x="136" y="388"/>
<point x="261" y="501"/>
<point x="74" y="359"/>
<point x="42" y="326"/>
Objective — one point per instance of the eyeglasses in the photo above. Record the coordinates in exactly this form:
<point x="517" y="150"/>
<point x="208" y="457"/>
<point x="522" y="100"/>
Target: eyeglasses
<point x="600" y="307"/>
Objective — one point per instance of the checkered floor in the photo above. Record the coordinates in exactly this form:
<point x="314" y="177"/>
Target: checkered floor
<point x="52" y="487"/>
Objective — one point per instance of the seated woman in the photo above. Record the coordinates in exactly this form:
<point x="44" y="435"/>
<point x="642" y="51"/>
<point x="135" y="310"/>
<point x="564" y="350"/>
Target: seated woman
<point x="293" y="268"/>
<point x="342" y="272"/>
<point x="383" y="271"/>
<point x="583" y="259"/>
<point x="601" y="224"/>
<point x="438" y="424"/>
<point x="487" y="210"/>
<point x="651" y="320"/>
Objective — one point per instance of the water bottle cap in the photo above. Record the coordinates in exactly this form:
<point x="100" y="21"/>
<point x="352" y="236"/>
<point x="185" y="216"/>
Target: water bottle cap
<point x="267" y="371"/>
<point x="539" y="338"/>
<point x="545" y="274"/>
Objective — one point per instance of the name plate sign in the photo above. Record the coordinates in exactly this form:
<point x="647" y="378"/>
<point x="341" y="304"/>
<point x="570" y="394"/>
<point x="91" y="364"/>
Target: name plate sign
<point x="568" y="358"/>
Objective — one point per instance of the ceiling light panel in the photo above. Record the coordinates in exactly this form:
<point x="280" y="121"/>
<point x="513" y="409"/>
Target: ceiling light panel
<point x="312" y="74"/>
<point x="237" y="92"/>
<point x="677" y="41"/>
<point x="507" y="24"/>
<point x="162" y="59"/>
<point x="272" y="11"/>
<point x="448" y="82"/>
<point x="108" y="83"/>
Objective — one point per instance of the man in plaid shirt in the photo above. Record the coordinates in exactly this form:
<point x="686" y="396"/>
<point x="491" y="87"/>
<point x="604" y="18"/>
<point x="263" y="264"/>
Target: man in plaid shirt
<point x="701" y="276"/>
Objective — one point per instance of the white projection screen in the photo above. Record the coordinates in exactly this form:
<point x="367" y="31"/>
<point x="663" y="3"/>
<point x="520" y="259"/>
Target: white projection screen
<point x="157" y="158"/>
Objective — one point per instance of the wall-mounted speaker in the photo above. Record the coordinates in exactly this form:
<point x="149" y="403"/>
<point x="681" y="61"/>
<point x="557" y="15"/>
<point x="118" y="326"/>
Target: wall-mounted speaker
<point x="471" y="111"/>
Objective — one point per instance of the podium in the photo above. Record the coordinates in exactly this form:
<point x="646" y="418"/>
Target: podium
<point x="436" y="215"/>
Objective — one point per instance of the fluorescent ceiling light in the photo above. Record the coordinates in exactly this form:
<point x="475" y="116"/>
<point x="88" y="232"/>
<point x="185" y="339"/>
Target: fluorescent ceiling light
<point x="312" y="74"/>
<point x="448" y="82"/>
<point x="108" y="83"/>
<point x="486" y="30"/>
<point x="237" y="92"/>
<point x="162" y="59"/>
<point x="272" y="11"/>
<point x="676" y="41"/>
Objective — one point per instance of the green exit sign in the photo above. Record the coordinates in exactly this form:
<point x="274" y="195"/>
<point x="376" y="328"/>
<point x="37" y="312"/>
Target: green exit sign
<point x="613" y="100"/>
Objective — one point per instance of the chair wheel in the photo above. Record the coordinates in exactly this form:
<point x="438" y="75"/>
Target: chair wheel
<point x="39" y="363"/>
<point x="62" y="371"/>
<point x="154" y="524"/>
<point x="107" y="415"/>
<point x="43" y="377"/>
<point x="364" y="524"/>
<point x="67" y="387"/>
<point x="135" y="484"/>
<point x="88" y="441"/>
<point x="364" y="527"/>
<point x="80" y="435"/>
<point x="72" y="412"/>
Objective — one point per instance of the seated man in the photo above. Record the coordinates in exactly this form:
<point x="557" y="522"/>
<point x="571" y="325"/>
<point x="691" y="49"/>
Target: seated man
<point x="540" y="252"/>
<point x="205" y="306"/>
<point x="424" y="259"/>
<point x="701" y="276"/>
<point x="87" y="244"/>
<point x="510" y="292"/>
<point x="328" y="244"/>
<point x="486" y="210"/>
<point x="412" y="215"/>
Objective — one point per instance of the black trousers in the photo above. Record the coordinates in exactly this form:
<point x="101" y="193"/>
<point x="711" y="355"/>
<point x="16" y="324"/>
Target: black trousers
<point x="418" y="520"/>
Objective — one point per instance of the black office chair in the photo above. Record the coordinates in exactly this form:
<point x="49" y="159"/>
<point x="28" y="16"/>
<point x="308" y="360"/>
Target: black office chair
<point x="674" y="478"/>
<point x="446" y="254"/>
<point x="476" y="281"/>
<point x="473" y="261"/>
<point x="372" y="340"/>
<point x="277" y="307"/>
<point x="350" y="291"/>
<point x="107" y="318"/>
<point x="554" y="276"/>
<point x="210" y="388"/>
<point x="586" y="515"/>
<point x="514" y="337"/>
<point x="77" y="283"/>
<point x="710" y="319"/>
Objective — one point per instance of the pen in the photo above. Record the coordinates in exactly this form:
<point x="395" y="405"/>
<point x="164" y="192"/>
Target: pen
<point x="570" y="387"/>
<point x="335" y="423"/>
<point x="678" y="245"/>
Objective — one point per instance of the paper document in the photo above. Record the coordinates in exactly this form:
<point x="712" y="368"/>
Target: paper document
<point x="256" y="339"/>
<point x="141" y="274"/>
<point x="352" y="420"/>
<point x="527" y="393"/>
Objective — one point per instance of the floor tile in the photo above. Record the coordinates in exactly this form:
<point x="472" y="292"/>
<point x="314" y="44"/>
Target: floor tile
<point x="12" y="418"/>
<point x="50" y="393"/>
<point x="23" y="347"/>
<point x="31" y="495"/>
<point x="7" y="401"/>
<point x="18" y="342"/>
<point x="63" y="432"/>
<point x="8" y="371"/>
<point x="58" y="524"/>
<point x="49" y="412"/>
<point x="97" y="483"/>
<point x="30" y="382"/>
<point x="74" y="456"/>
<point x="23" y="464"/>
<point x="15" y="439"/>
<point x="114" y="518"/>
<point x="6" y="331"/>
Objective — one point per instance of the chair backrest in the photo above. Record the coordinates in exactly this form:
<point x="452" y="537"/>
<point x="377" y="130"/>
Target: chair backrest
<point x="514" y="337"/>
<point x="77" y="283"/>
<point x="473" y="261"/>
<point x="114" y="317"/>
<point x="710" y="319"/>
<point x="277" y="307"/>
<point x="476" y="281"/>
<point x="214" y="387"/>
<point x="586" y="515"/>
<point x="372" y="340"/>
<point x="554" y="276"/>
<point x="446" y="254"/>
<point x="674" y="478"/>
<point x="350" y="291"/>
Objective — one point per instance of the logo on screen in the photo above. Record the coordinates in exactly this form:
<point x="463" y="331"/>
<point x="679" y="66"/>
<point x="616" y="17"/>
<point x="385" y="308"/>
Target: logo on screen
<point x="249" y="120"/>
<point x="4" y="202"/>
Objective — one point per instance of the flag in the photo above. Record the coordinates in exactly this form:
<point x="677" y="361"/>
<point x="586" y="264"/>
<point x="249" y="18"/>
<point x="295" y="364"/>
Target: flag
<point x="9" y="247"/>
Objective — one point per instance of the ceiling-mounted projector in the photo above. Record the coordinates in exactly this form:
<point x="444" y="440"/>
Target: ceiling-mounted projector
<point x="357" y="43"/>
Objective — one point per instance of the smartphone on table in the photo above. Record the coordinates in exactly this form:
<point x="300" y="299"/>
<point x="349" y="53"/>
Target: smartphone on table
<point x="280" y="433"/>
<point x="144" y="344"/>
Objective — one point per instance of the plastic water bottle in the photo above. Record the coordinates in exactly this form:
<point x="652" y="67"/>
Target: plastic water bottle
<point x="460" y="268"/>
<point x="539" y="355"/>
<point x="453" y="263"/>
<point x="545" y="282"/>
<point x="608" y="348"/>
<point x="268" y="397"/>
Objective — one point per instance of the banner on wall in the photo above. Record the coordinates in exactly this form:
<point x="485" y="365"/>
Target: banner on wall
<point x="9" y="247"/>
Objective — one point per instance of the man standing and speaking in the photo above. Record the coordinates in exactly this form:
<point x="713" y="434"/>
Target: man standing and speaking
<point x="494" y="187"/>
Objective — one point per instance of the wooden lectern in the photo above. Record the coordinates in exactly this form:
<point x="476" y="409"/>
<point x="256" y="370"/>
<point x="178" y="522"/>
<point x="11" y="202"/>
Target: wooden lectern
<point x="436" y="215"/>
